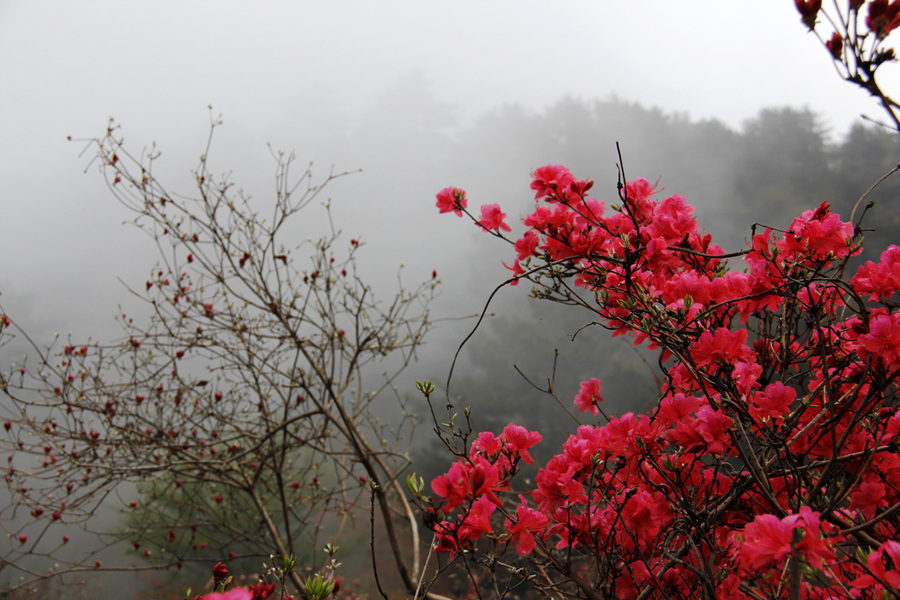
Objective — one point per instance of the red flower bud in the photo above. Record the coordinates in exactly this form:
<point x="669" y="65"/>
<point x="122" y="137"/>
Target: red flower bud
<point x="809" y="9"/>
<point x="835" y="45"/>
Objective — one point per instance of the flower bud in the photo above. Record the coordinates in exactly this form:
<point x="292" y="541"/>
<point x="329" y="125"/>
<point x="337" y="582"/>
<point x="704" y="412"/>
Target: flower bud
<point x="809" y="9"/>
<point x="835" y="45"/>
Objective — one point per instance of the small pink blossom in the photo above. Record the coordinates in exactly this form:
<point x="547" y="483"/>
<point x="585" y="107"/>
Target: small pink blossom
<point x="520" y="440"/>
<point x="589" y="396"/>
<point x="492" y="218"/>
<point x="451" y="199"/>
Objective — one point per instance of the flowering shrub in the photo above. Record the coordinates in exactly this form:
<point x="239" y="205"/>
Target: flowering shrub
<point x="769" y="466"/>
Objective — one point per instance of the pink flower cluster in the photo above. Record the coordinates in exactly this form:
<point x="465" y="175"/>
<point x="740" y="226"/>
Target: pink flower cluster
<point x="454" y="200"/>
<point x="775" y="439"/>
<point x="475" y="480"/>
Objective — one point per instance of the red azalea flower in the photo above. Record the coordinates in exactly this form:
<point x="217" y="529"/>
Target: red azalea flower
<point x="549" y="179"/>
<point x="261" y="590"/>
<point x="589" y="397"/>
<point x="451" y="199"/>
<point x="492" y="218"/>
<point x="220" y="571"/>
<point x="520" y="439"/>
<point x="528" y="523"/>
<point x="886" y="571"/>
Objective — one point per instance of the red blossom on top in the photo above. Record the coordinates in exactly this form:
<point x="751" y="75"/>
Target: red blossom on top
<point x="549" y="179"/>
<point x="589" y="396"/>
<point x="451" y="199"/>
<point x="519" y="440"/>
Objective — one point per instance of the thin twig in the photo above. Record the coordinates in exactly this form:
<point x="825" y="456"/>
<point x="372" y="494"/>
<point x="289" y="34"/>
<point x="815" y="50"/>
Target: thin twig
<point x="872" y="187"/>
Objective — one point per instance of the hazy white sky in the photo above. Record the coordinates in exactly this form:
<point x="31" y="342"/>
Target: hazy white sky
<point x="65" y="67"/>
<point x="65" y="63"/>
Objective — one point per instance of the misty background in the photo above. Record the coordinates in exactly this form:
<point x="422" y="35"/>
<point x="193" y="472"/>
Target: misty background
<point x="731" y="104"/>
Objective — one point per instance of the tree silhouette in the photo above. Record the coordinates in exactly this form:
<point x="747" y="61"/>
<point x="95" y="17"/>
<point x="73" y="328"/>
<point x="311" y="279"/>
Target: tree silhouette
<point x="242" y="406"/>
